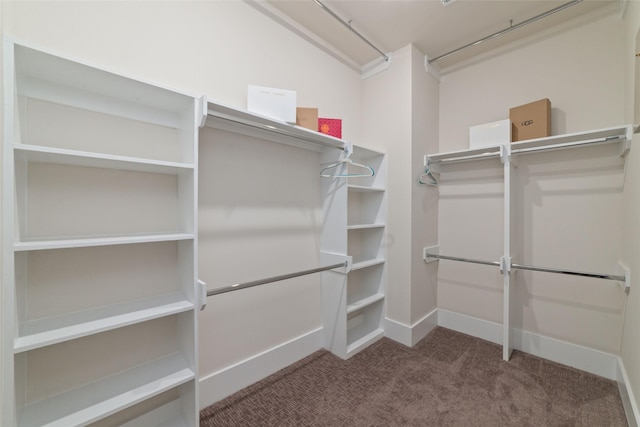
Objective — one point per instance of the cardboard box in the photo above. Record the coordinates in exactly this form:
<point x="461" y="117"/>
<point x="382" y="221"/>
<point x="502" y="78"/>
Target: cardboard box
<point x="307" y="118"/>
<point x="331" y="127"/>
<point x="531" y="120"/>
<point x="489" y="134"/>
<point x="279" y="104"/>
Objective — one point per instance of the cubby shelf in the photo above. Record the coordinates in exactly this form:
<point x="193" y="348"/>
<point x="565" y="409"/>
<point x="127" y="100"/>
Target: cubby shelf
<point x="364" y="226"/>
<point x="365" y="341"/>
<point x="365" y="302"/>
<point x="97" y="400"/>
<point x="51" y="330"/>
<point x="366" y="189"/>
<point x="358" y="265"/>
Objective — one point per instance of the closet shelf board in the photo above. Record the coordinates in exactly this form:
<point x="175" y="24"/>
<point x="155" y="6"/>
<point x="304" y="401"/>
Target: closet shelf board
<point x="368" y="339"/>
<point x="367" y="263"/>
<point x="60" y="156"/>
<point x="51" y="330"/>
<point x="559" y="140"/>
<point x="35" y="245"/>
<point x="235" y="120"/>
<point x="365" y="302"/>
<point x="100" y="399"/>
<point x="164" y="416"/>
<point x="364" y="188"/>
<point x="72" y="75"/>
<point x="364" y="226"/>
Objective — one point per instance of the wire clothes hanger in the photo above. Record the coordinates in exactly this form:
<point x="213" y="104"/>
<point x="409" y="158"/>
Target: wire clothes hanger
<point x="364" y="169"/>
<point x="432" y="179"/>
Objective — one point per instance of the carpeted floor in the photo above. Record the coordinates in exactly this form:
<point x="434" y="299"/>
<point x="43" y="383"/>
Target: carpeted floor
<point x="448" y="379"/>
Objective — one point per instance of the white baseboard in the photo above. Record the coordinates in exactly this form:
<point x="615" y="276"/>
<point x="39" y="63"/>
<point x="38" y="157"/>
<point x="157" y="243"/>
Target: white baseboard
<point x="410" y="335"/>
<point x="217" y="386"/>
<point x="483" y="329"/>
<point x="626" y="394"/>
<point x="587" y="359"/>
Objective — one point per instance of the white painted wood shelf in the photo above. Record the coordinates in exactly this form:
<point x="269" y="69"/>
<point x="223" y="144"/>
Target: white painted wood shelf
<point x="99" y="179"/>
<point x="97" y="400"/>
<point x="360" y="264"/>
<point x="364" y="302"/>
<point x="61" y="156"/>
<point x="364" y="226"/>
<point x="52" y="330"/>
<point x="38" y="244"/>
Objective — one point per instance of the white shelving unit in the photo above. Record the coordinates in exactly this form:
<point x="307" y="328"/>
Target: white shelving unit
<point x="99" y="315"/>
<point x="355" y="219"/>
<point x="507" y="154"/>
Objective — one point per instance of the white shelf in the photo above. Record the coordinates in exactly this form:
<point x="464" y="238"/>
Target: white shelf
<point x="618" y="134"/>
<point x="36" y="245"/>
<point x="365" y="302"/>
<point x="61" y="156"/>
<point x="364" y="188"/>
<point x="163" y="416"/>
<point x="357" y="265"/>
<point x="365" y="341"/>
<point x="364" y="226"/>
<point x="52" y="330"/>
<point x="241" y="121"/>
<point x="97" y="400"/>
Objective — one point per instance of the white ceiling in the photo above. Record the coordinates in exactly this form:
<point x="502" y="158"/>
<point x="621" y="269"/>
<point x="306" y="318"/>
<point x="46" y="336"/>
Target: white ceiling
<point x="434" y="28"/>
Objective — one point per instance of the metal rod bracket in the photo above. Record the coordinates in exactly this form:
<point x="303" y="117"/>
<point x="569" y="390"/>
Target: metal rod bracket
<point x="428" y="251"/>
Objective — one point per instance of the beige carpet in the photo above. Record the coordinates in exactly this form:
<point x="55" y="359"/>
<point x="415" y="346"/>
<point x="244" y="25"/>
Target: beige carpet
<point x="448" y="379"/>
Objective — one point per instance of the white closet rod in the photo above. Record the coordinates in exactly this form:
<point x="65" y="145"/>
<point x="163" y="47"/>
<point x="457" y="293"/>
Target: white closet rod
<point x="507" y="30"/>
<point x="615" y="277"/>
<point x="245" y="285"/>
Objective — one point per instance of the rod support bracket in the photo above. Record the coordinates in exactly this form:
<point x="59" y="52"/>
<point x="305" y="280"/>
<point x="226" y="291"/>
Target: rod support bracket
<point x="435" y="250"/>
<point x="626" y="285"/>
<point x="505" y="265"/>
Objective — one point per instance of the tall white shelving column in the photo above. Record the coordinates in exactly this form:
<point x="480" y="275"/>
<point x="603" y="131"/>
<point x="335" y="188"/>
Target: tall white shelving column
<point x="505" y="262"/>
<point x="99" y="296"/>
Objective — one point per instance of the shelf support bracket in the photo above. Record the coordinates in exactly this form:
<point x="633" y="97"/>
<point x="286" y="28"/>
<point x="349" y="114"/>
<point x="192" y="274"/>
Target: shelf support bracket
<point x="626" y="285"/>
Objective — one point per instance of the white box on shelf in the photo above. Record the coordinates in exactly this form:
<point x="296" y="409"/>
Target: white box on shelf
<point x="277" y="104"/>
<point x="488" y="134"/>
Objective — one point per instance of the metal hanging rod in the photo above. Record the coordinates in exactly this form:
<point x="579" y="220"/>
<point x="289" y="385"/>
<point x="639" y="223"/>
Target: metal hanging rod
<point x="615" y="277"/>
<point x="507" y="30"/>
<point x="245" y="285"/>
<point x="348" y="25"/>
<point x="570" y="272"/>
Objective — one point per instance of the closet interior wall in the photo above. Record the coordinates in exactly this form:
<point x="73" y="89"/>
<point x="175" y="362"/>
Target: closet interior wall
<point x="260" y="215"/>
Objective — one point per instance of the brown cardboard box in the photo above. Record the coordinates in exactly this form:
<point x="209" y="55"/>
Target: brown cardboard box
<point x="531" y="120"/>
<point x="307" y="118"/>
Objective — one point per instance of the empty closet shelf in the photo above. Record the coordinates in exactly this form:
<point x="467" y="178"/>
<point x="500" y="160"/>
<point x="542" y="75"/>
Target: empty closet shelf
<point x="364" y="226"/>
<point x="43" y="244"/>
<point x="357" y="265"/>
<point x="51" y="330"/>
<point x="99" y="399"/>
<point x="61" y="156"/>
<point x="364" y="302"/>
